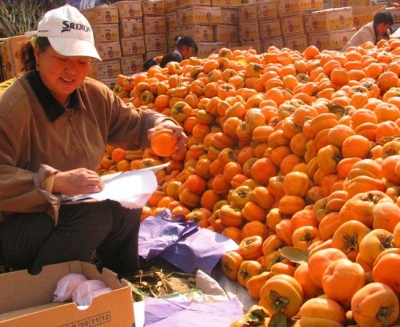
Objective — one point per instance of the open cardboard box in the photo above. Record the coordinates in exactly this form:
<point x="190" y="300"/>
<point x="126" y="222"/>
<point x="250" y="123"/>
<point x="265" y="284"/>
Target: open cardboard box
<point x="26" y="300"/>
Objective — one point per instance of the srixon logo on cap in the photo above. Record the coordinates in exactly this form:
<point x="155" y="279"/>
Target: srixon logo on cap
<point x="68" y="26"/>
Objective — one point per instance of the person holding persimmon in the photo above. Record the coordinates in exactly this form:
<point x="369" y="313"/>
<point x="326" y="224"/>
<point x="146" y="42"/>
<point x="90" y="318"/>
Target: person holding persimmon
<point x="378" y="29"/>
<point x="55" y="125"/>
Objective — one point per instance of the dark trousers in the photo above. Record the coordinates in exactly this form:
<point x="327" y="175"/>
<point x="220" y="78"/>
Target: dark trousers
<point x="32" y="240"/>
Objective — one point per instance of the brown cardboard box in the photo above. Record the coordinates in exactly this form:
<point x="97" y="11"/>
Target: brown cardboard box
<point x="169" y="5"/>
<point x="153" y="54"/>
<point x="270" y="28"/>
<point x="356" y="3"/>
<point x="205" y="49"/>
<point x="292" y="7"/>
<point x="131" y="64"/>
<point x="230" y="15"/>
<point x="365" y="15"/>
<point x="199" y="15"/>
<point x="101" y="15"/>
<point x="189" y="3"/>
<point x="171" y="34"/>
<point x="274" y="41"/>
<point x="292" y="25"/>
<point x="226" y="33"/>
<point x="131" y="27"/>
<point x="297" y="42"/>
<point x="170" y="19"/>
<point x="331" y="40"/>
<point x="26" y="300"/>
<point x="222" y="3"/>
<point x="105" y="33"/>
<point x="153" y="7"/>
<point x="10" y="53"/>
<point x="105" y="69"/>
<point x="156" y="43"/>
<point x="333" y="4"/>
<point x="267" y="10"/>
<point x="129" y="9"/>
<point x="154" y="25"/>
<point x="110" y="82"/>
<point x="249" y="31"/>
<point x="109" y="50"/>
<point x="247" y="12"/>
<point x="255" y="44"/>
<point x="132" y="46"/>
<point x="328" y="19"/>
<point x="199" y="33"/>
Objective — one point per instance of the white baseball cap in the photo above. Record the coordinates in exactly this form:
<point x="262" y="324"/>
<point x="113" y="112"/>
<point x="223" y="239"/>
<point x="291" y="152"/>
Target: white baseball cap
<point x="69" y="32"/>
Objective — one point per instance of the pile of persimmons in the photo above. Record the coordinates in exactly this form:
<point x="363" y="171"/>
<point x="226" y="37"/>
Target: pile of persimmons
<point x="295" y="156"/>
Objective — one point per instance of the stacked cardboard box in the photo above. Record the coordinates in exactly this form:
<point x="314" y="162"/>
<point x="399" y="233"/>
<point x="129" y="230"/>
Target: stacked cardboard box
<point x="329" y="28"/>
<point x="291" y="14"/>
<point x="228" y="31"/>
<point x="155" y="28"/>
<point x="269" y="24"/>
<point x="249" y="29"/>
<point x="30" y="298"/>
<point x="131" y="32"/>
<point x="201" y="20"/>
<point x="104" y="21"/>
<point x="10" y="54"/>
<point x="365" y="15"/>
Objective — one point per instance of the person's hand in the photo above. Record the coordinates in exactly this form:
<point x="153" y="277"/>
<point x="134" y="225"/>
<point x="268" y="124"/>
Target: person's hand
<point x="77" y="181"/>
<point x="177" y="129"/>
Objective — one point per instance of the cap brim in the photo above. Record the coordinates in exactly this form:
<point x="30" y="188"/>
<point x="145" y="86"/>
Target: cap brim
<point x="73" y="47"/>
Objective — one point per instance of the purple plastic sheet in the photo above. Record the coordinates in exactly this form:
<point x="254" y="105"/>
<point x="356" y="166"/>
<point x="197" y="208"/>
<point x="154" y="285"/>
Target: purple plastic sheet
<point x="166" y="312"/>
<point x="181" y="243"/>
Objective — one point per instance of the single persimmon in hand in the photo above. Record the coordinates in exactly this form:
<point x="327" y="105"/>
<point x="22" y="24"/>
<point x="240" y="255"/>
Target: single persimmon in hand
<point x="163" y="143"/>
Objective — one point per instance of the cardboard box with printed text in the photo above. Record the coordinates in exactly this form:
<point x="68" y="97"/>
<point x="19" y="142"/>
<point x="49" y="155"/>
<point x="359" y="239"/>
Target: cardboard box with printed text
<point x="101" y="15"/>
<point x="27" y="300"/>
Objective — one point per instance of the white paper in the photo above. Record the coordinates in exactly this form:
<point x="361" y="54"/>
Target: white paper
<point x="132" y="188"/>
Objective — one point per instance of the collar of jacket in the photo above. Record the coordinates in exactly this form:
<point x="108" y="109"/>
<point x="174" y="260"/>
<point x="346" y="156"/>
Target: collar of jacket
<point x="51" y="106"/>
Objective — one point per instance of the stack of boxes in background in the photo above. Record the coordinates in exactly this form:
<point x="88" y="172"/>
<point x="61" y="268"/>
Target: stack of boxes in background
<point x="269" y="24"/>
<point x="131" y="32"/>
<point x="155" y="28"/>
<point x="213" y="24"/>
<point x="259" y="25"/>
<point x="278" y="23"/>
<point x="228" y="30"/>
<point x="291" y="14"/>
<point x="104" y="21"/>
<point x="330" y="28"/>
<point x="10" y="54"/>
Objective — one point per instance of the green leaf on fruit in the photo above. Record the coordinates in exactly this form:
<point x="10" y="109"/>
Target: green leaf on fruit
<point x="278" y="319"/>
<point x="295" y="254"/>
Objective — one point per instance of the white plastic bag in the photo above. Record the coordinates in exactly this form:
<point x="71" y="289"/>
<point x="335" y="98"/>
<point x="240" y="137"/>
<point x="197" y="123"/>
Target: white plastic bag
<point x="85" y="291"/>
<point x="66" y="286"/>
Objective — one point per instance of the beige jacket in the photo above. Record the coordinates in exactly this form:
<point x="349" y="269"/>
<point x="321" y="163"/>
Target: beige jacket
<point x="39" y="137"/>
